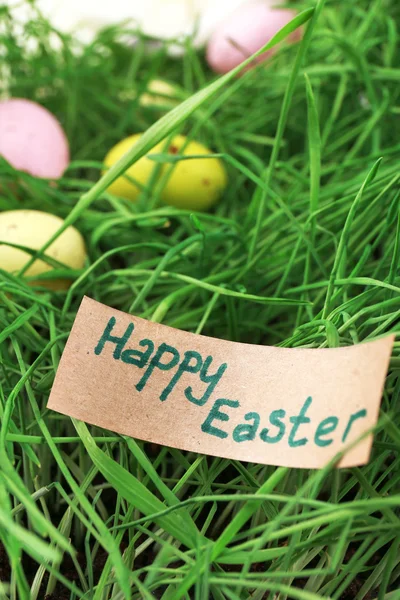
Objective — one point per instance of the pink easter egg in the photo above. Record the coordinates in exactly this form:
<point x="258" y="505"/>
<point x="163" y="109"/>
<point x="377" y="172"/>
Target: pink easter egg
<point x="247" y="30"/>
<point x="31" y="139"/>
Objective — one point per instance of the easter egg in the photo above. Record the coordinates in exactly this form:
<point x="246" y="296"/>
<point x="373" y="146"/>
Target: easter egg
<point x="192" y="184"/>
<point x="33" y="228"/>
<point x="159" y="93"/>
<point x="32" y="140"/>
<point x="247" y="30"/>
<point x="196" y="183"/>
<point x="141" y="171"/>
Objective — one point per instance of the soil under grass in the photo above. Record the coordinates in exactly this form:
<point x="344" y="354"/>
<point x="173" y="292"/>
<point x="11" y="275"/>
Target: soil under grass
<point x="297" y="156"/>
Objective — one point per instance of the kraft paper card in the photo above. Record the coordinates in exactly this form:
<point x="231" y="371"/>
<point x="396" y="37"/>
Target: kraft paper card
<point x="278" y="406"/>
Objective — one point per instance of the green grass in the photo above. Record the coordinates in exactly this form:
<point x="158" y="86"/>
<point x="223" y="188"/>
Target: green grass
<point x="302" y="251"/>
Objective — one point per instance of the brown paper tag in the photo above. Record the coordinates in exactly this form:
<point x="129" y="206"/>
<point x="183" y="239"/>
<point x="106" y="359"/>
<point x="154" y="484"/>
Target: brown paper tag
<point x="278" y="406"/>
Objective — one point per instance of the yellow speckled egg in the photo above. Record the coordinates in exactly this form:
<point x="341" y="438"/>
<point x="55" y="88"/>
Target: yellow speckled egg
<point x="196" y="183"/>
<point x="33" y="228"/>
<point x="141" y="171"/>
<point x="193" y="184"/>
<point x="159" y="93"/>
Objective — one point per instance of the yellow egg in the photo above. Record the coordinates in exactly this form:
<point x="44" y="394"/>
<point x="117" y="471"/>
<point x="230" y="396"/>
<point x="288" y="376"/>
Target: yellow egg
<point x="33" y="228"/>
<point x="159" y="93"/>
<point x="193" y="184"/>
<point x="196" y="183"/>
<point x="141" y="171"/>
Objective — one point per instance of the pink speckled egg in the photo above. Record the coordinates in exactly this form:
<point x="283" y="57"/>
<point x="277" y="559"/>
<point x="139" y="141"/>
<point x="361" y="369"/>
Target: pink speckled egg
<point x="31" y="139"/>
<point x="247" y="29"/>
